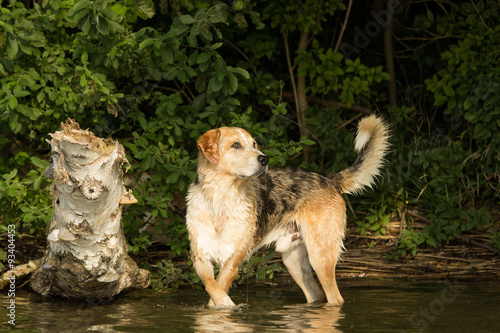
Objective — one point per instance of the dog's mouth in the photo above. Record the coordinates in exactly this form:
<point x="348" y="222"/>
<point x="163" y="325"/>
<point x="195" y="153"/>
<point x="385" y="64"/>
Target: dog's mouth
<point x="257" y="169"/>
<point x="261" y="171"/>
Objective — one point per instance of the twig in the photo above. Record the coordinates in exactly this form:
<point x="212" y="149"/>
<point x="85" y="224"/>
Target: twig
<point x="240" y="52"/>
<point x="344" y="25"/>
<point x="462" y="237"/>
<point x="484" y="246"/>
<point x="477" y="11"/>
<point x="290" y="68"/>
<point x="420" y="217"/>
<point x="349" y="121"/>
<point x="403" y="220"/>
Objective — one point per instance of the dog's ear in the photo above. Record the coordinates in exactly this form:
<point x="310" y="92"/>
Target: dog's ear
<point x="208" y="144"/>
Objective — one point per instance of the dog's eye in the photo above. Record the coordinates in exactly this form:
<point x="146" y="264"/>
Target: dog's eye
<point x="236" y="145"/>
<point x="255" y="145"/>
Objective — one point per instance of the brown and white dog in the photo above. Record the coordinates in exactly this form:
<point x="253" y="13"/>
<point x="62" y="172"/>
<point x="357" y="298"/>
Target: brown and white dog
<point x="236" y="206"/>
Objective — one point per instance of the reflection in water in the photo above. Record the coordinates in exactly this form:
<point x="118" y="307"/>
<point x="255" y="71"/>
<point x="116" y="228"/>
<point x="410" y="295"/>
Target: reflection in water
<point x="219" y="321"/>
<point x="288" y="318"/>
<point x="405" y="308"/>
<point x="310" y="318"/>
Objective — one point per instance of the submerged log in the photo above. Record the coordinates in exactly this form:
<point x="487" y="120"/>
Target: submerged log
<point x="86" y="255"/>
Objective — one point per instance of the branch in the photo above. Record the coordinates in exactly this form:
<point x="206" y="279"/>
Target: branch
<point x="290" y="68"/>
<point x="299" y="88"/>
<point x="240" y="52"/>
<point x="478" y="13"/>
<point x="344" y="25"/>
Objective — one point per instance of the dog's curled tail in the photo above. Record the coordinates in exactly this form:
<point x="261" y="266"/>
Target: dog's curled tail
<point x="372" y="144"/>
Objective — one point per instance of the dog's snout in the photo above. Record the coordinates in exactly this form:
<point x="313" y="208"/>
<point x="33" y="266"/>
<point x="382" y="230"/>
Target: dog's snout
<point x="263" y="160"/>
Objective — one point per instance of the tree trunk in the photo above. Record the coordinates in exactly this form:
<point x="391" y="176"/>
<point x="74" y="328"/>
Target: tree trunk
<point x="86" y="255"/>
<point x="302" y="104"/>
<point x="389" y="54"/>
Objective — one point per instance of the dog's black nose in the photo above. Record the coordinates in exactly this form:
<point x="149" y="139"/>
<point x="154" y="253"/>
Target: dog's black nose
<point x="263" y="160"/>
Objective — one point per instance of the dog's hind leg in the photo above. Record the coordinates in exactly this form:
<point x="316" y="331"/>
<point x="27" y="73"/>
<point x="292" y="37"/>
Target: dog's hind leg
<point x="323" y="258"/>
<point x="323" y="222"/>
<point x="297" y="262"/>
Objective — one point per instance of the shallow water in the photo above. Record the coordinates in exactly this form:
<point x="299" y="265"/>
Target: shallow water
<point x="438" y="307"/>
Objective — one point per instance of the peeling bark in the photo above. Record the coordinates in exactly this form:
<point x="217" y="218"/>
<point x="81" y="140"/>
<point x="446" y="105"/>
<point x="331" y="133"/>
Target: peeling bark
<point x="86" y="255"/>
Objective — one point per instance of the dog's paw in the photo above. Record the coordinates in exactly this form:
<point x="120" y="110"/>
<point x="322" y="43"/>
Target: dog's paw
<point x="226" y="303"/>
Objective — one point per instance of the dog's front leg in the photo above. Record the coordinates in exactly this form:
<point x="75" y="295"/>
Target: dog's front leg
<point x="228" y="271"/>
<point x="218" y="296"/>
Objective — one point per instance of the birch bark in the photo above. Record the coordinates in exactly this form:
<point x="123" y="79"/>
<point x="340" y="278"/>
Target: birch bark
<point x="86" y="255"/>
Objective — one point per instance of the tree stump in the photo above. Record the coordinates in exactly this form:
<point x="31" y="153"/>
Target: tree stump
<point x="86" y="255"/>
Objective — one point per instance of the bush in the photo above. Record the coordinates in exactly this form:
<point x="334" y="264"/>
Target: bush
<point x="155" y="75"/>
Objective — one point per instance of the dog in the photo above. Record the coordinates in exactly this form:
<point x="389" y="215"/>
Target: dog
<point x="236" y="205"/>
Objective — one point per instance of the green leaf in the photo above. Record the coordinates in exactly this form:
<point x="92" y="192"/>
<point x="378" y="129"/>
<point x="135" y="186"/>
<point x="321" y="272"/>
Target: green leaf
<point x="219" y="69"/>
<point x="186" y="19"/>
<point x="337" y="57"/>
<point x="241" y="71"/>
<point x="261" y="273"/>
<point x="12" y="102"/>
<point x="440" y="100"/>
<point x="143" y="123"/>
<point x="85" y="24"/>
<point x="204" y="57"/>
<point x="146" y="162"/>
<point x="167" y="56"/>
<point x="214" y="85"/>
<point x="36" y="183"/>
<point x="269" y="256"/>
<point x="38" y="162"/>
<point x="239" y="5"/>
<point x="83" y="80"/>
<point x="216" y="46"/>
<point x="173" y="177"/>
<point x="146" y="43"/>
<point x="233" y="83"/>
<point x="79" y="5"/>
<point x="12" y="47"/>
<point x="102" y="25"/>
<point x="449" y="91"/>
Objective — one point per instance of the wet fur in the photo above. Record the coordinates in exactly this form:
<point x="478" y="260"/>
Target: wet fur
<point x="237" y="205"/>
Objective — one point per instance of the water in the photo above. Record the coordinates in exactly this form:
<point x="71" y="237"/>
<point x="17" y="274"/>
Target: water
<point x="396" y="307"/>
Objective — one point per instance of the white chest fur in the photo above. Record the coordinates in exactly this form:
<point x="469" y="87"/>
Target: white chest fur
<point x="220" y="223"/>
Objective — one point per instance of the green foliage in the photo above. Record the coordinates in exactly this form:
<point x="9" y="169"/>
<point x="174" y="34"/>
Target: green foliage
<point x="155" y="75"/>
<point x="139" y="244"/>
<point x="375" y="223"/>
<point x="260" y="267"/>
<point x="495" y="240"/>
<point x="167" y="276"/>
<point x="25" y="200"/>
<point x="459" y="164"/>
<point x="329" y="72"/>
<point x="3" y="258"/>
<point x="306" y="16"/>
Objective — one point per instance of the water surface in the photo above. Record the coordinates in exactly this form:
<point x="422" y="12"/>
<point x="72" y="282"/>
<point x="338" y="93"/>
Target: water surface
<point x="396" y="307"/>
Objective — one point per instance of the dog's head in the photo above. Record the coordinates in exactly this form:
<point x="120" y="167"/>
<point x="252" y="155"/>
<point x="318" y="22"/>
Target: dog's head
<point x="232" y="150"/>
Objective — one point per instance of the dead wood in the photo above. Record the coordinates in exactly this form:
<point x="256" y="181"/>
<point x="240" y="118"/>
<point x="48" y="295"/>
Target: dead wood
<point x="86" y="255"/>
